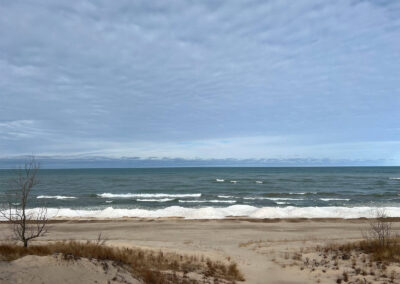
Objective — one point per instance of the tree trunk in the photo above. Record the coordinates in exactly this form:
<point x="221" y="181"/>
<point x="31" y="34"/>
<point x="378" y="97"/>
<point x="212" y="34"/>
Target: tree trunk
<point x="25" y="243"/>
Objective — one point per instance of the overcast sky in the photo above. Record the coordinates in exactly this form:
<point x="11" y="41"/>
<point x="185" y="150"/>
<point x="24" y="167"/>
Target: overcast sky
<point x="201" y="79"/>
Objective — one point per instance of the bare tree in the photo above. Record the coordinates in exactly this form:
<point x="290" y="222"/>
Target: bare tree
<point x="26" y="224"/>
<point x="380" y="228"/>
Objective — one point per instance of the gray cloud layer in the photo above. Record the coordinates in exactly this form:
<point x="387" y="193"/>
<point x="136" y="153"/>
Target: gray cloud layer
<point x="181" y="78"/>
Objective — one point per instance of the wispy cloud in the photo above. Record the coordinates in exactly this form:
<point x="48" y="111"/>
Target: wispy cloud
<point x="139" y="78"/>
<point x="17" y="129"/>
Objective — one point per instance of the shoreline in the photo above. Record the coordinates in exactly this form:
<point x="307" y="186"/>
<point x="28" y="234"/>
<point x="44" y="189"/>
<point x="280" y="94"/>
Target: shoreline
<point x="227" y="219"/>
<point x="211" y="213"/>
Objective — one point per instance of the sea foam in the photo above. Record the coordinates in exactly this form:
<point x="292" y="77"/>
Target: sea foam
<point x="271" y="198"/>
<point x="55" y="197"/>
<point x="192" y="201"/>
<point x="205" y="201"/>
<point x="220" y="213"/>
<point x="147" y="195"/>
<point x="156" y="200"/>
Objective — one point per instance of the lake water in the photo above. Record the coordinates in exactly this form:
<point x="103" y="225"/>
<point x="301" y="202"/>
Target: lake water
<point x="215" y="192"/>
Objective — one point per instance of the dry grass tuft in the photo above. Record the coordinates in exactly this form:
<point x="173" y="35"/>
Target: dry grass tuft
<point x="377" y="252"/>
<point x="150" y="266"/>
<point x="366" y="261"/>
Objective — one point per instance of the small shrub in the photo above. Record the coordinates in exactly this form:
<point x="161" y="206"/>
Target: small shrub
<point x="345" y="277"/>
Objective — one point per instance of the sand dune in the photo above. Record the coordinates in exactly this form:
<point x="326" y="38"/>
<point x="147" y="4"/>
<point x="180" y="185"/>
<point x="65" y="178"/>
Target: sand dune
<point x="53" y="269"/>
<point x="256" y="246"/>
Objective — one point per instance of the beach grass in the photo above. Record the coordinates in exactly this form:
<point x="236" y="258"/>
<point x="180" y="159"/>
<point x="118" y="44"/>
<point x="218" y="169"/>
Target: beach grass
<point x="389" y="252"/>
<point x="148" y="265"/>
<point x="363" y="261"/>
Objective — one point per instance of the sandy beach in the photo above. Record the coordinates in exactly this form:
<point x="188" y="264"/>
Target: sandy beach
<point x="257" y="246"/>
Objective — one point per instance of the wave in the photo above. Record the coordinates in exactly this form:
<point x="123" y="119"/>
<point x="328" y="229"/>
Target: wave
<point x="207" y="201"/>
<point x="156" y="200"/>
<point x="284" y="198"/>
<point x="255" y="198"/>
<point x="259" y="181"/>
<point x="271" y="198"/>
<point x="220" y="213"/>
<point x="233" y="181"/>
<point x="55" y="197"/>
<point x="395" y="178"/>
<point x="226" y="196"/>
<point x="192" y="201"/>
<point x="334" y="199"/>
<point x="219" y="180"/>
<point x="147" y="195"/>
<point x="298" y="193"/>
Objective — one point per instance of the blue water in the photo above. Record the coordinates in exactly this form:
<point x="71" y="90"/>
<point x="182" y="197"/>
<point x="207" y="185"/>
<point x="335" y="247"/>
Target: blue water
<point x="198" y="187"/>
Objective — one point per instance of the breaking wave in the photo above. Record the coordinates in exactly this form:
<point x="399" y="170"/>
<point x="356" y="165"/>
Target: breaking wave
<point x="271" y="198"/>
<point x="220" y="213"/>
<point x="55" y="197"/>
<point x="156" y="200"/>
<point x="205" y="201"/>
<point x="147" y="195"/>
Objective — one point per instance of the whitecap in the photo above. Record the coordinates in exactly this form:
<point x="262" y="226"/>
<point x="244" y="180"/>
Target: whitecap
<point x="156" y="200"/>
<point x="334" y="199"/>
<point x="207" y="201"/>
<point x="192" y="201"/>
<point x="233" y="181"/>
<point x="219" y="180"/>
<point x="226" y="196"/>
<point x="55" y="197"/>
<point x="255" y="198"/>
<point x="146" y="195"/>
<point x="284" y="198"/>
<point x="271" y="198"/>
<point x="259" y="181"/>
<point x="220" y="213"/>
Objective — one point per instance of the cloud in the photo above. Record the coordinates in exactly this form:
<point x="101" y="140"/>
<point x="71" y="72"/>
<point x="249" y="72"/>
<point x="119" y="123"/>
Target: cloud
<point x="112" y="76"/>
<point x="17" y="129"/>
<point x="55" y="162"/>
